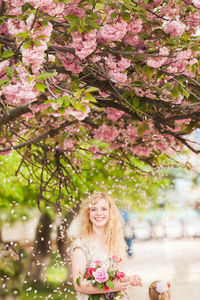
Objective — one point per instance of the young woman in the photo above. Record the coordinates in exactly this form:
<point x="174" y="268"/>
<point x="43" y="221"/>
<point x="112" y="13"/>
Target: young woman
<point x="101" y="238"/>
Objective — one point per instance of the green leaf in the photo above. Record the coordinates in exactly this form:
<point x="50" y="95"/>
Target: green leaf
<point x="92" y="23"/>
<point x="99" y="286"/>
<point x="2" y="81"/>
<point x="91" y="89"/>
<point x="126" y="16"/>
<point x="114" y="15"/>
<point x="137" y="83"/>
<point x="61" y="110"/>
<point x="175" y="92"/>
<point x="148" y="71"/>
<point x="45" y="76"/>
<point x="141" y="129"/>
<point x="40" y="86"/>
<point x="95" y="297"/>
<point x="7" y="54"/>
<point x="9" y="71"/>
<point x="186" y="93"/>
<point x="26" y="6"/>
<point x="27" y="44"/>
<point x="89" y="97"/>
<point x="78" y="279"/>
<point x="73" y="20"/>
<point x="110" y="284"/>
<point x="82" y="22"/>
<point x="136" y="101"/>
<point x="24" y="34"/>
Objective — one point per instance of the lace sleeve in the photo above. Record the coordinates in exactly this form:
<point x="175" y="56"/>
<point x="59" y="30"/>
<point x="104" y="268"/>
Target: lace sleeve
<point x="79" y="243"/>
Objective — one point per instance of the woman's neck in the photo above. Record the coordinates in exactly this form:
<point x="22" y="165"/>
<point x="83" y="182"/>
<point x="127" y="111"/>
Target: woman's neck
<point x="99" y="233"/>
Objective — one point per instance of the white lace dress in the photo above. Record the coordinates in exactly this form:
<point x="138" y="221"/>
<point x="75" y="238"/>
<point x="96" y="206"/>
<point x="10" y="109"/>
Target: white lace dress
<point x="93" y="252"/>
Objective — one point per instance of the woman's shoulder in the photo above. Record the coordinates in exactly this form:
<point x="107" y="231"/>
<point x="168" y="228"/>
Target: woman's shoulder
<point x="79" y="242"/>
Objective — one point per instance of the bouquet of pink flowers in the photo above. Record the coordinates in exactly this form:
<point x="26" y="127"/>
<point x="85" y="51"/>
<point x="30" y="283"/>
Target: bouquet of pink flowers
<point x="102" y="277"/>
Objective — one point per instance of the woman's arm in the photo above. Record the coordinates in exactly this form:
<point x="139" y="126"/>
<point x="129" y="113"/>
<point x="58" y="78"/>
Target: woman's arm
<point x="79" y="263"/>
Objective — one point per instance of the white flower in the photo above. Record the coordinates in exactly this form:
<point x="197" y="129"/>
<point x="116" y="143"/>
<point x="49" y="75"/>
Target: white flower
<point x="161" y="287"/>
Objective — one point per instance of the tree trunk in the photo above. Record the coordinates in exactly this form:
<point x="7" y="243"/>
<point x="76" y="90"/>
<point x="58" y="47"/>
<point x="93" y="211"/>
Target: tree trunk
<point x="63" y="242"/>
<point x="40" y="256"/>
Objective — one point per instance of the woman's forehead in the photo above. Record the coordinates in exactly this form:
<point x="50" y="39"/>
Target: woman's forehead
<point x="98" y="203"/>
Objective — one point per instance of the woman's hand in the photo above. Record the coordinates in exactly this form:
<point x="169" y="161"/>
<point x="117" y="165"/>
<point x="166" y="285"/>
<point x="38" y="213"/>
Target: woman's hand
<point x="136" y="280"/>
<point x="121" y="285"/>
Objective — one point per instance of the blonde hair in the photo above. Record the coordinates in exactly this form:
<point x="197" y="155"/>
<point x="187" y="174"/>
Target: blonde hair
<point x="154" y="295"/>
<point x="114" y="230"/>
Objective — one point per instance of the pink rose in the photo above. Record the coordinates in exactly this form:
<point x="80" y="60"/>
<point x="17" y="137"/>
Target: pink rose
<point x="101" y="275"/>
<point x="120" y="274"/>
<point x="98" y="262"/>
<point x="93" y="265"/>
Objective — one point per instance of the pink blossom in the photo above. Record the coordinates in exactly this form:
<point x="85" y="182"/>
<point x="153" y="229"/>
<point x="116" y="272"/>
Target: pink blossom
<point x="132" y="132"/>
<point x="20" y="93"/>
<point x="157" y="62"/>
<point x="3" y="66"/>
<point x="174" y="28"/>
<point x="75" y="10"/>
<point x="196" y="3"/>
<point x="118" y="77"/>
<point x="171" y="9"/>
<point x="49" y="6"/>
<point x="114" y="32"/>
<point x="93" y="265"/>
<point x="78" y="114"/>
<point x="98" y="262"/>
<point x="70" y="63"/>
<point x="134" y="41"/>
<point x="101" y="275"/>
<point x="135" y="26"/>
<point x="103" y="94"/>
<point x="15" y="26"/>
<point x="157" y="2"/>
<point x="113" y="114"/>
<point x="105" y="133"/>
<point x="84" y="44"/>
<point x="68" y="144"/>
<point x="14" y="6"/>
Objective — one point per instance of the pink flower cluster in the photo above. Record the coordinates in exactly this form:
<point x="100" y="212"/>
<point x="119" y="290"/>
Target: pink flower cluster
<point x="135" y="26"/>
<point x="134" y="41"/>
<point x="73" y="9"/>
<point x="53" y="8"/>
<point x="14" y="6"/>
<point x="157" y="62"/>
<point x="85" y="43"/>
<point x="171" y="9"/>
<point x="101" y="275"/>
<point x="116" y="67"/>
<point x="114" y="32"/>
<point x="174" y="28"/>
<point x="70" y="62"/>
<point x="113" y="114"/>
<point x="105" y="133"/>
<point x="196" y="3"/>
<point x="78" y="114"/>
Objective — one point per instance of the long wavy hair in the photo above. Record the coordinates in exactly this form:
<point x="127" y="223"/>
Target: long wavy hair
<point x="114" y="228"/>
<point x="154" y="295"/>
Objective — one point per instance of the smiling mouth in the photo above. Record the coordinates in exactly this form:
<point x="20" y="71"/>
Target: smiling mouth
<point x="99" y="219"/>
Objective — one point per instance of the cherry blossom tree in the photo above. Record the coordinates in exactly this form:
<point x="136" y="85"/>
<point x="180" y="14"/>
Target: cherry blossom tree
<point x="84" y="79"/>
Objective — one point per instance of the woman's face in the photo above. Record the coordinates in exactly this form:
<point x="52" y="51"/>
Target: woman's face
<point x="99" y="213"/>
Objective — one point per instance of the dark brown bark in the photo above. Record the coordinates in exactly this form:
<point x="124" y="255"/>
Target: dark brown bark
<point x="63" y="242"/>
<point x="40" y="256"/>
